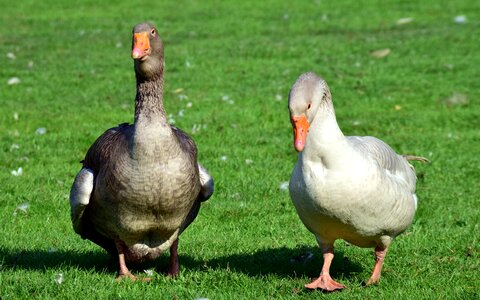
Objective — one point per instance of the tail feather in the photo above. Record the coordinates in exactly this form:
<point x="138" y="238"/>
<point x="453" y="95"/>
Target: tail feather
<point x="417" y="158"/>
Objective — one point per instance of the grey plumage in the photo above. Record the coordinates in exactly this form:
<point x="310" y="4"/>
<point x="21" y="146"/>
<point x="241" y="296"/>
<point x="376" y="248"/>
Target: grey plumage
<point x="144" y="178"/>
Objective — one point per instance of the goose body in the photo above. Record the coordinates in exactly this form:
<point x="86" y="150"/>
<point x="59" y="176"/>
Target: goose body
<point x="141" y="184"/>
<point x="345" y="187"/>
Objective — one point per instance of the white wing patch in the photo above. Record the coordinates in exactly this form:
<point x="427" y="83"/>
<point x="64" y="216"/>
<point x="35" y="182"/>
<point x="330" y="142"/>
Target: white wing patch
<point x="80" y="196"/>
<point x="415" y="200"/>
<point x="207" y="183"/>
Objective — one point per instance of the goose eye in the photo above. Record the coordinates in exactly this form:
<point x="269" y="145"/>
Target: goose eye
<point x="309" y="105"/>
<point x="152" y="32"/>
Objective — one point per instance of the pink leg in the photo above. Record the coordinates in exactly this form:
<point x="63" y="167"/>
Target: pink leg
<point x="174" y="267"/>
<point x="377" y="270"/>
<point x="123" y="272"/>
<point x="324" y="281"/>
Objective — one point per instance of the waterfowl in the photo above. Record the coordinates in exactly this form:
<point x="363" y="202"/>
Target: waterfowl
<point x="140" y="185"/>
<point x="345" y="187"/>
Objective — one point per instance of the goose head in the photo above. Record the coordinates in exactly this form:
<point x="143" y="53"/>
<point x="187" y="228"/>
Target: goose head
<point x="147" y="51"/>
<point x="308" y="97"/>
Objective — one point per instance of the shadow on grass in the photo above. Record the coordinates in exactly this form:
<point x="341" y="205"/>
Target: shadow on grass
<point x="284" y="262"/>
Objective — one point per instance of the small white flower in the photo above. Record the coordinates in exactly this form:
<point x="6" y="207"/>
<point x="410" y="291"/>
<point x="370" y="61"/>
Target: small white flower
<point x="225" y="98"/>
<point x="278" y="97"/>
<point x="17" y="172"/>
<point x="11" y="55"/>
<point x="148" y="272"/>
<point x="13" y="81"/>
<point x="22" y="208"/>
<point x="248" y="161"/>
<point x="15" y="116"/>
<point x="284" y="186"/>
<point x="59" y="278"/>
<point x="119" y="45"/>
<point x="182" y="97"/>
<point x="180" y="113"/>
<point x="356" y="123"/>
<point x="460" y="19"/>
<point x="223" y="157"/>
<point x="189" y="104"/>
<point x="41" y="130"/>
<point x="188" y="64"/>
<point x="196" y="128"/>
<point x="14" y="147"/>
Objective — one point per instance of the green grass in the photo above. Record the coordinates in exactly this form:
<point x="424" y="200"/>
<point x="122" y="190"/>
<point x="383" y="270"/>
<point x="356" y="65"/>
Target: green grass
<point x="77" y="80"/>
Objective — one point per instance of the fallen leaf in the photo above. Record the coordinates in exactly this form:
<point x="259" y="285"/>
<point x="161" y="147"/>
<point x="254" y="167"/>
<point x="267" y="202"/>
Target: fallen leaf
<point x="380" y="53"/>
<point x="456" y="99"/>
<point x="404" y="21"/>
<point x="177" y="91"/>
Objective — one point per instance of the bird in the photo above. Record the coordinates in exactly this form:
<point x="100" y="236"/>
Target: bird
<point x="354" y="188"/>
<point x="140" y="185"/>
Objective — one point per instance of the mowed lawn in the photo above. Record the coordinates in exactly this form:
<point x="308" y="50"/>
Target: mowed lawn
<point x="66" y="76"/>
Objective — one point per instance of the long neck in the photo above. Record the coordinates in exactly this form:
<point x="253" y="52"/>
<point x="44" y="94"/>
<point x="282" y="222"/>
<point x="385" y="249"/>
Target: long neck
<point x="152" y="133"/>
<point x="149" y="101"/>
<point x="325" y="141"/>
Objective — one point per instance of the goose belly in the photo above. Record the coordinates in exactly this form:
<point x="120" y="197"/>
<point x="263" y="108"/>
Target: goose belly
<point x="144" y="206"/>
<point x="354" y="208"/>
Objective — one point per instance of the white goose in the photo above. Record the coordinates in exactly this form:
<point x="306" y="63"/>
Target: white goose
<point x="352" y="188"/>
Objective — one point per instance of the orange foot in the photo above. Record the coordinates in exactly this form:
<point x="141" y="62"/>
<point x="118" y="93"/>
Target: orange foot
<point x="326" y="283"/>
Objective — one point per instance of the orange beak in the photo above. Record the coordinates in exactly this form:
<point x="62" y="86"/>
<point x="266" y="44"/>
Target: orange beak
<point x="300" y="129"/>
<point x="141" y="45"/>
